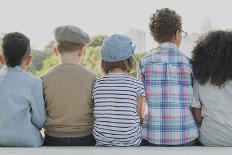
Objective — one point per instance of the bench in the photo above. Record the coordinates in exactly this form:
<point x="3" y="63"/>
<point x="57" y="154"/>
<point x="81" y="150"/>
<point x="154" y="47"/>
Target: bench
<point x="194" y="150"/>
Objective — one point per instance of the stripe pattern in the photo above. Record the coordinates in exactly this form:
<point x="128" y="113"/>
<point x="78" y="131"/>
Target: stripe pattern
<point x="116" y="122"/>
<point x="168" y="86"/>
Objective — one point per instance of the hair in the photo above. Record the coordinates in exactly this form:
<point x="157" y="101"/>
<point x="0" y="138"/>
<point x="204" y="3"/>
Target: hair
<point x="164" y="24"/>
<point x="64" y="47"/>
<point x="212" y="58"/>
<point x="15" y="47"/>
<point x="126" y="65"/>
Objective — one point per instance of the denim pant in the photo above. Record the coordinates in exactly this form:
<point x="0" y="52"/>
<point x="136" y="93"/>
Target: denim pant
<point x="69" y="141"/>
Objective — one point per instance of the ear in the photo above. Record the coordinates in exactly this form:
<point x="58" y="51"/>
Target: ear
<point x="55" y="51"/>
<point x="81" y="50"/>
<point x="29" y="60"/>
<point x="178" y="35"/>
<point x="2" y="60"/>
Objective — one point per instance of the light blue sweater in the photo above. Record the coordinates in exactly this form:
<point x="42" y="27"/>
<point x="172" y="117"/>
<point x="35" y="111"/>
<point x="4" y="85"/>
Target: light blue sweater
<point x="22" y="110"/>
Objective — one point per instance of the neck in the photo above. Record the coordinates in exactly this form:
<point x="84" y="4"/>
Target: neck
<point x="24" y="66"/>
<point x="118" y="70"/>
<point x="71" y="58"/>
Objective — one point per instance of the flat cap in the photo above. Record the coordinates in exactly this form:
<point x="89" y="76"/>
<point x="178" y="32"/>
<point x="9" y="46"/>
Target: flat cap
<point x="71" y="34"/>
<point x="117" y="48"/>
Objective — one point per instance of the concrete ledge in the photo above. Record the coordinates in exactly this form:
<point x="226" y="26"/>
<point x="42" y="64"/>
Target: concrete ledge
<point x="117" y="151"/>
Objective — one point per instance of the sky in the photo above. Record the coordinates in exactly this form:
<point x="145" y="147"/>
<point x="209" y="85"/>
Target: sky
<point x="38" y="18"/>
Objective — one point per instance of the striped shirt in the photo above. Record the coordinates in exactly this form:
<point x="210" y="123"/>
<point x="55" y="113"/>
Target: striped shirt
<point x="116" y="122"/>
<point x="168" y="86"/>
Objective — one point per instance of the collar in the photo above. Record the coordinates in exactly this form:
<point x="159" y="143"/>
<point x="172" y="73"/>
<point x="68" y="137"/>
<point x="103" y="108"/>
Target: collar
<point x="16" y="68"/>
<point x="117" y="73"/>
<point x="167" y="45"/>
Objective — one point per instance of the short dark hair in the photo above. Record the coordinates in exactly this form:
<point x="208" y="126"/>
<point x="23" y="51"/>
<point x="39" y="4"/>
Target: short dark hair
<point x="212" y="58"/>
<point x="126" y="65"/>
<point x="67" y="47"/>
<point x="15" y="46"/>
<point x="164" y="23"/>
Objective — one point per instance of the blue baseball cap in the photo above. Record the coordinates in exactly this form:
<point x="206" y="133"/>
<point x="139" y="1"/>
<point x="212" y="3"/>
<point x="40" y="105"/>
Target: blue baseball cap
<point x="117" y="48"/>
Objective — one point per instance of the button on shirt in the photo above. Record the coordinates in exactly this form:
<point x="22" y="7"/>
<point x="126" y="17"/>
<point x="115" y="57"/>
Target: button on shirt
<point x="22" y="111"/>
<point x="168" y="86"/>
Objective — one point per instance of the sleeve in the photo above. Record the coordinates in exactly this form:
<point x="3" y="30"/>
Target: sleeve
<point x="37" y="105"/>
<point x="140" y="90"/>
<point x="196" y="101"/>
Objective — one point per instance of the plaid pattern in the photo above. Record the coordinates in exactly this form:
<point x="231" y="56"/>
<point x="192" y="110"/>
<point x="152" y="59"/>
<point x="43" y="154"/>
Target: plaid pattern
<point x="166" y="74"/>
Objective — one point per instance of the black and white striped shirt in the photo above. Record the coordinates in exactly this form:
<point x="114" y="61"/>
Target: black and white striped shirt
<point x="116" y="122"/>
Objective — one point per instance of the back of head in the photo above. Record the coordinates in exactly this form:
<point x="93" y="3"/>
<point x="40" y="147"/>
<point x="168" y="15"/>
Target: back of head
<point x="212" y="58"/>
<point x="15" y="47"/>
<point x="164" y="24"/>
<point x="69" y="38"/>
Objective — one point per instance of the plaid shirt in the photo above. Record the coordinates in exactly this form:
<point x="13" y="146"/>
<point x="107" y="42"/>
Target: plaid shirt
<point x="166" y="74"/>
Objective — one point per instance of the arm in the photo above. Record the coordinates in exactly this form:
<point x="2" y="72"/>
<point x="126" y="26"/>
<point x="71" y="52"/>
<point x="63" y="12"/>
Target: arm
<point x="197" y="116"/>
<point x="141" y="106"/>
<point x="37" y="105"/>
<point x="196" y="104"/>
<point x="140" y="76"/>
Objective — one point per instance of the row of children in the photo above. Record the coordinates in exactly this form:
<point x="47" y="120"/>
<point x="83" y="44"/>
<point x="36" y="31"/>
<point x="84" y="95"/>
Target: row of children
<point x="176" y="101"/>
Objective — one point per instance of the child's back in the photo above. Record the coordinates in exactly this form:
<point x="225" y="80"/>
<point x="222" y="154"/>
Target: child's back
<point x="168" y="87"/>
<point x="116" y="120"/>
<point x="20" y="92"/>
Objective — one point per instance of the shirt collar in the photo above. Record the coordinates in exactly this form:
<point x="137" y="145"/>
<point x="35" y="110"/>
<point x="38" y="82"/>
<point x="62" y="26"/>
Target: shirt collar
<point x="167" y="45"/>
<point x="117" y="73"/>
<point x="16" y="68"/>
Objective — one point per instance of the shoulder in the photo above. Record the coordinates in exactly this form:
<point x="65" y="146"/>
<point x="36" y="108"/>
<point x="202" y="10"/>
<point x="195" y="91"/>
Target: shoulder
<point x="186" y="59"/>
<point x="30" y="77"/>
<point x="89" y="72"/>
<point x="136" y="81"/>
<point x="147" y="56"/>
<point x="69" y="69"/>
<point x="100" y="79"/>
<point x="31" y="80"/>
<point x="49" y="72"/>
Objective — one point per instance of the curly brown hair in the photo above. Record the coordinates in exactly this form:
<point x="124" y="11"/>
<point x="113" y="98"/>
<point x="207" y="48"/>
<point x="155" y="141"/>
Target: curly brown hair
<point x="163" y="24"/>
<point x="212" y="58"/>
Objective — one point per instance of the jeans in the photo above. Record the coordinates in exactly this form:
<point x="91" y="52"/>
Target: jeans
<point x="192" y="143"/>
<point x="69" y="141"/>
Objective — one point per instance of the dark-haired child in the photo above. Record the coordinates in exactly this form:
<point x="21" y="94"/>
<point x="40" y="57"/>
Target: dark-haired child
<point x="118" y="98"/>
<point x="22" y="110"/>
<point x="166" y="73"/>
<point x="212" y="63"/>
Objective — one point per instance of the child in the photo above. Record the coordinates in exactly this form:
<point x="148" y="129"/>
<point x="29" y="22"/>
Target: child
<point x="212" y="63"/>
<point x="166" y="73"/>
<point x="67" y="91"/>
<point x="22" y="111"/>
<point x="118" y="98"/>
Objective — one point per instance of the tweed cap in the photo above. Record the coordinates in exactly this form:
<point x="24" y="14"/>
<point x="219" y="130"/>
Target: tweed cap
<point x="71" y="34"/>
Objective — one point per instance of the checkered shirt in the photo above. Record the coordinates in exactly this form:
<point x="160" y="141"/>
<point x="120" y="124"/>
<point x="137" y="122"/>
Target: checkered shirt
<point x="166" y="73"/>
